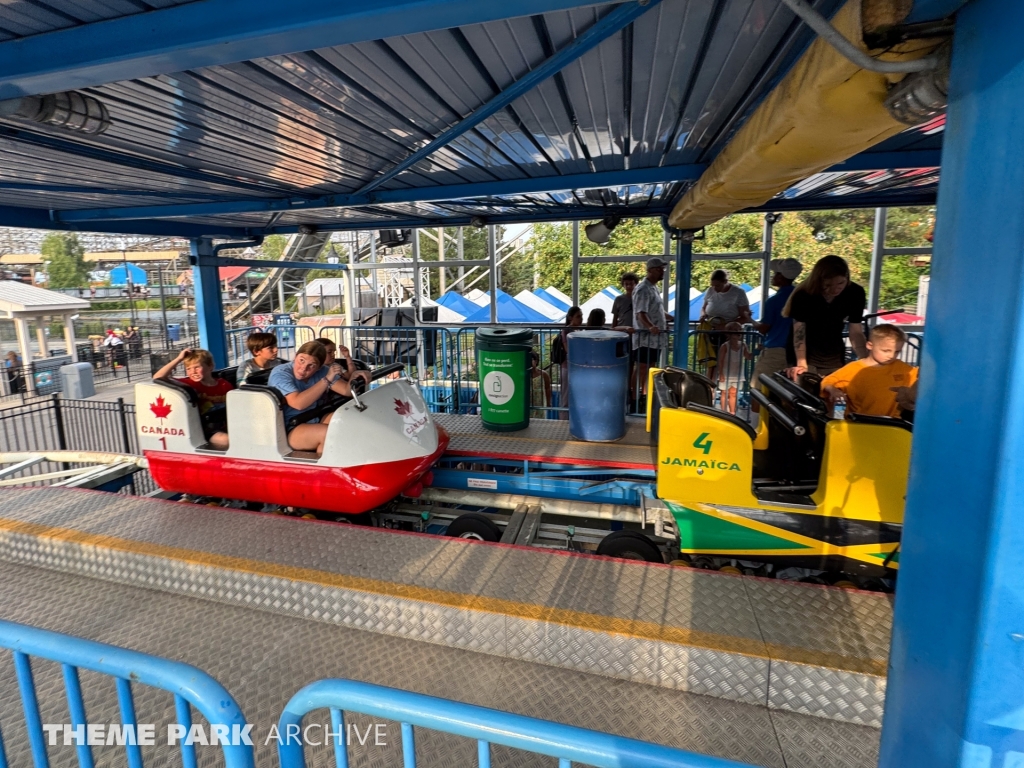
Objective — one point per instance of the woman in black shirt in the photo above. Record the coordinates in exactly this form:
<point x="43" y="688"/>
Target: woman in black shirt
<point x="820" y="309"/>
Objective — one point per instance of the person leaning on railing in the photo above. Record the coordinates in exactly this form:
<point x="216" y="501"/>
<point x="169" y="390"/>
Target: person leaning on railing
<point x="650" y="323"/>
<point x="773" y="326"/>
<point x="819" y="307"/>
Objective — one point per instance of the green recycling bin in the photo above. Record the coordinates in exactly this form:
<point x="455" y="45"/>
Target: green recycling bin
<point x="503" y="364"/>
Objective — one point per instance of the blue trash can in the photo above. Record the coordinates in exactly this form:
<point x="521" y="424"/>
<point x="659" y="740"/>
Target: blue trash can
<point x="174" y="331"/>
<point x="598" y="385"/>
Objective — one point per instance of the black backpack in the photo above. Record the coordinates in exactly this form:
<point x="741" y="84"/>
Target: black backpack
<point x="557" y="350"/>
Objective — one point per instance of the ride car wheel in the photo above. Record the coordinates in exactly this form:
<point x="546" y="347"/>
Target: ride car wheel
<point x="474" y="526"/>
<point x="630" y="545"/>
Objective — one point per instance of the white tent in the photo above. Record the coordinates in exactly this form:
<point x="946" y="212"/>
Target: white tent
<point x="444" y="315"/>
<point x="478" y="297"/>
<point x="538" y="304"/>
<point x="601" y="300"/>
<point x="559" y="295"/>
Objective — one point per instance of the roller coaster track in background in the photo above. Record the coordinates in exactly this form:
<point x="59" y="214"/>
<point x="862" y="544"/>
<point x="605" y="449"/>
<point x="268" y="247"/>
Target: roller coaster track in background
<point x="299" y="248"/>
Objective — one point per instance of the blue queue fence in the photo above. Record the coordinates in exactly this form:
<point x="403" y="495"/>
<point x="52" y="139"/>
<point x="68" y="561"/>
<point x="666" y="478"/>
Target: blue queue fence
<point x="190" y="687"/>
<point x="193" y="688"/>
<point x="485" y="726"/>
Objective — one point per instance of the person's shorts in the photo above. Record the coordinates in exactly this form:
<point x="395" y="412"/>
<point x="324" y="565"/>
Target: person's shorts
<point x="726" y="384"/>
<point x="647" y="355"/>
<point x="770" y="360"/>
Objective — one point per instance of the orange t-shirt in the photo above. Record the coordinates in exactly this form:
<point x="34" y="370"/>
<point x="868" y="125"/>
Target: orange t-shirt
<point x="868" y="387"/>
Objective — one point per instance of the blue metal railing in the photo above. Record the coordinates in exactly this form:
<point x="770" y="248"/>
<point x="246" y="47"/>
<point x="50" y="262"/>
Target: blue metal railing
<point x="189" y="685"/>
<point x="487" y="726"/>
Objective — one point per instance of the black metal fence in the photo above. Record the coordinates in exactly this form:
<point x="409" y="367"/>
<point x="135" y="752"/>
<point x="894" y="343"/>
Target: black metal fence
<point x="55" y="424"/>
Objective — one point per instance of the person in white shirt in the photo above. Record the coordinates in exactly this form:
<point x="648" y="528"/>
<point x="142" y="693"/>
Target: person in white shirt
<point x="724" y="303"/>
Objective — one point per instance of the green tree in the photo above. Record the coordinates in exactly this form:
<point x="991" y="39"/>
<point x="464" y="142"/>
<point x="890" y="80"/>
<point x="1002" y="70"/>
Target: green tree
<point x="805" y="236"/>
<point x="65" y="259"/>
<point x="273" y="246"/>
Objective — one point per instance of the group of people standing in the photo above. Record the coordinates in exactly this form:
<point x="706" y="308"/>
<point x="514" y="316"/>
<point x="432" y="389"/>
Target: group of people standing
<point x="803" y="326"/>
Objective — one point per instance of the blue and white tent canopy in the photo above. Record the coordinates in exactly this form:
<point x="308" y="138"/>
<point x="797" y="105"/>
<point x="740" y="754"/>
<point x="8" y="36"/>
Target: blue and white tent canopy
<point x="509" y="311"/>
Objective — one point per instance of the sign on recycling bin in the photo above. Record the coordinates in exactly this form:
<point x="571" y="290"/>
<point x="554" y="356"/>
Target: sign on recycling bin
<point x="501" y="400"/>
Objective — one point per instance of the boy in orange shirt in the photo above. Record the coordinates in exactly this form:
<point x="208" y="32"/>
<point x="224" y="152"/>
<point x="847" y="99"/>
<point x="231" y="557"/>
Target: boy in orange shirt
<point x="869" y="383"/>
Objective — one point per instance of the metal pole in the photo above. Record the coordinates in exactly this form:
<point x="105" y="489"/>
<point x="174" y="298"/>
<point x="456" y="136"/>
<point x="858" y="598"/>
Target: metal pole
<point x="280" y="293"/>
<point x="666" y="243"/>
<point x="248" y="296"/>
<point x="128" y="285"/>
<point x="684" y="269"/>
<point x="768" y="242"/>
<point x="209" y="307"/>
<point x="440" y="257"/>
<point x="373" y="260"/>
<point x="877" y="257"/>
<point x="416" y="275"/>
<point x="462" y="270"/>
<point x="492" y="256"/>
<point x="575" y="263"/>
<point x="163" y="304"/>
<point x="953" y="694"/>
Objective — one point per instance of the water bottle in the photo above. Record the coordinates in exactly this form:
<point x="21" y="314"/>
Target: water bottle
<point x="839" y="411"/>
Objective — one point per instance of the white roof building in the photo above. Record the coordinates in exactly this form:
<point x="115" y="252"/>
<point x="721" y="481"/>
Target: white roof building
<point x="20" y="302"/>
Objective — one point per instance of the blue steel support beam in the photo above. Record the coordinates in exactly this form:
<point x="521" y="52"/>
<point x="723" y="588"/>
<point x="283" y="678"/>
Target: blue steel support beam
<point x="868" y="161"/>
<point x="480" y="190"/>
<point x="611" y="24"/>
<point x="209" y="310"/>
<point x="956" y="668"/>
<point x="931" y="10"/>
<point x="36" y="218"/>
<point x="684" y="274"/>
<point x="214" y="32"/>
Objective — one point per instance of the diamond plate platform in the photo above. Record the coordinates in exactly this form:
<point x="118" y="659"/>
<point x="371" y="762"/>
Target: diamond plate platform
<point x="549" y="441"/>
<point x="263" y="658"/>
<point x="802" y="648"/>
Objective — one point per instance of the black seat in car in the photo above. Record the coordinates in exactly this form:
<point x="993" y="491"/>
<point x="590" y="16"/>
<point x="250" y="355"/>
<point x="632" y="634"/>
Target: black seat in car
<point x="689" y="387"/>
<point x="676" y="388"/>
<point x="228" y="374"/>
<point x="259" y="378"/>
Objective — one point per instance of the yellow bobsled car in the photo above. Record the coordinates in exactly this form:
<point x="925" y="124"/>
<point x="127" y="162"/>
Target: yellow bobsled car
<point x="803" y="490"/>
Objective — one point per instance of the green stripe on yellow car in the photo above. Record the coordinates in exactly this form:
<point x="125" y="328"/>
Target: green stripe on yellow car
<point x="703" y="532"/>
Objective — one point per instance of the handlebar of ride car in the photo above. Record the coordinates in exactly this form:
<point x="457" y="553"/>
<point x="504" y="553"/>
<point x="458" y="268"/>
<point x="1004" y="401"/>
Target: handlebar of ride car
<point x="777" y="413"/>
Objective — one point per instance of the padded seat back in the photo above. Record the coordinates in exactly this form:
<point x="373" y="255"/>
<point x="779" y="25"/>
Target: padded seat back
<point x="256" y="423"/>
<point x="690" y="387"/>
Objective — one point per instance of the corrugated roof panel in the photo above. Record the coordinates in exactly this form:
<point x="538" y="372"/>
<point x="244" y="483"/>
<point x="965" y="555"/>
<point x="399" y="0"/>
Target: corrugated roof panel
<point x="668" y="90"/>
<point x="222" y="141"/>
<point x="22" y="18"/>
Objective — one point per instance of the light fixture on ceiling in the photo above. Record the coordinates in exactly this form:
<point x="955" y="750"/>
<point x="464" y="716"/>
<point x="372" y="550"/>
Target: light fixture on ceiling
<point x="600" y="233"/>
<point x="70" y="110"/>
<point x="478" y="221"/>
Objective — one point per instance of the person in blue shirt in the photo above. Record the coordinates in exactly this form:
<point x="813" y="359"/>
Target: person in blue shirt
<point x="773" y="325"/>
<point x="303" y="384"/>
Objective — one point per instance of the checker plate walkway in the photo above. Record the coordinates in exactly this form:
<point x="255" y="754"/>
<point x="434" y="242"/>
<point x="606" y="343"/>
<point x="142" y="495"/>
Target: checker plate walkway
<point x="267" y="604"/>
<point x="550" y="441"/>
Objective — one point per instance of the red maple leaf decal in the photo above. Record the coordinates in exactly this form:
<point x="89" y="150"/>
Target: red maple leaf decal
<point x="160" y="408"/>
<point x="402" y="408"/>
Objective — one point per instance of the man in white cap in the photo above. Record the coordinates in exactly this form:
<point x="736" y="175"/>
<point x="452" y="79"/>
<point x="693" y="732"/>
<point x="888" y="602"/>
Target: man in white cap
<point x="650" y="322"/>
<point x="773" y="325"/>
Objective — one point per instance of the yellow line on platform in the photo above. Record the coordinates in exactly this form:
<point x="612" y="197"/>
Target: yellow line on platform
<point x="645" y="630"/>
